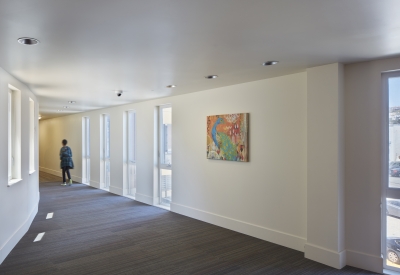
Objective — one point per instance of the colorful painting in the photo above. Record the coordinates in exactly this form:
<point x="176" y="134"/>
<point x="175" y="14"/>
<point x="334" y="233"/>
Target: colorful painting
<point x="227" y="137"/>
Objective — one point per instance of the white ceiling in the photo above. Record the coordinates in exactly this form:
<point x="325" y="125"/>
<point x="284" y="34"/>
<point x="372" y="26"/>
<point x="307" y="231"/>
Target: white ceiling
<point x="91" y="47"/>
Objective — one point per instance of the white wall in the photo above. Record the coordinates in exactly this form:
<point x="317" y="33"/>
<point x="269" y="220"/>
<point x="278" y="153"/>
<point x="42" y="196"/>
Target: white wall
<point x="18" y="203"/>
<point x="325" y="166"/>
<point x="268" y="197"/>
<point x="364" y="130"/>
<point x="265" y="198"/>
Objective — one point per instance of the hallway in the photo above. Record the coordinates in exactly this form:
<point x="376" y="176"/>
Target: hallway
<point x="96" y="232"/>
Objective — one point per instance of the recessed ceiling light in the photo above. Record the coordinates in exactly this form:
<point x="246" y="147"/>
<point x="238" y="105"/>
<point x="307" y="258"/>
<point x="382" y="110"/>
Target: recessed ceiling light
<point x="65" y="107"/>
<point x="71" y="102"/>
<point x="211" y="76"/>
<point x="269" y="63"/>
<point x="60" y="110"/>
<point x="171" y="86"/>
<point x="28" y="41"/>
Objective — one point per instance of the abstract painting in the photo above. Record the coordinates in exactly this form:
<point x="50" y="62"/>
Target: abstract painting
<point x="227" y="137"/>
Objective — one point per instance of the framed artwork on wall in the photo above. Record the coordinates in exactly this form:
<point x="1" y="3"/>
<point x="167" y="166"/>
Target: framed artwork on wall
<point x="227" y="137"/>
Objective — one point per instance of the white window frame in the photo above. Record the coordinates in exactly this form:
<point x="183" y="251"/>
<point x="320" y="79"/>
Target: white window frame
<point x="386" y="191"/>
<point x="161" y="156"/>
<point x="105" y="154"/>
<point x="162" y="141"/>
<point x="131" y="147"/>
<point x="14" y="135"/>
<point x="86" y="150"/>
<point x="10" y="136"/>
<point x="32" y="126"/>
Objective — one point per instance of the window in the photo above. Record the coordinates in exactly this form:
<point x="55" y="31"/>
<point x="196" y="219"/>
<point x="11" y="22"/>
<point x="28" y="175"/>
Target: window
<point x="105" y="151"/>
<point x="31" y="136"/>
<point x="131" y="153"/>
<point x="14" y="135"/>
<point x="165" y="154"/>
<point x="10" y="135"/>
<point x="86" y="150"/>
<point x="391" y="192"/>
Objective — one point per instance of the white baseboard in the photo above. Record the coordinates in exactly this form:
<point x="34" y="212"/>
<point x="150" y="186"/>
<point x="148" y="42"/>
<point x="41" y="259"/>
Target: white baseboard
<point x="129" y="197"/>
<point x="270" y="235"/>
<point x="156" y="200"/>
<point x="365" y="261"/>
<point x="116" y="190"/>
<point x="18" y="234"/>
<point x="325" y="256"/>
<point x="58" y="173"/>
<point x="76" y="179"/>
<point x="144" y="198"/>
<point x="95" y="184"/>
<point x="51" y="171"/>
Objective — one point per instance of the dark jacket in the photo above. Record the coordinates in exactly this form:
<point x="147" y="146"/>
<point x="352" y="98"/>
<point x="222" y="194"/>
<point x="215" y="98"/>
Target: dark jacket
<point x="66" y="158"/>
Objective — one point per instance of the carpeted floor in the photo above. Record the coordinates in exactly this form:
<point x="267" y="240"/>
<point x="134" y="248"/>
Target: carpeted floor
<point x="96" y="232"/>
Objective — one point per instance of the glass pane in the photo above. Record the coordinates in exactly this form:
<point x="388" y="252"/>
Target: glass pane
<point x="165" y="186"/>
<point x="9" y="136"/>
<point x="88" y="170"/>
<point x="167" y="115"/>
<point x="393" y="233"/>
<point x="107" y="136"/>
<point x="166" y="135"/>
<point x="87" y="137"/>
<point x="131" y="136"/>
<point x="394" y="132"/>
<point x="107" y="173"/>
<point x="32" y="135"/>
<point x="132" y="179"/>
<point x="167" y="144"/>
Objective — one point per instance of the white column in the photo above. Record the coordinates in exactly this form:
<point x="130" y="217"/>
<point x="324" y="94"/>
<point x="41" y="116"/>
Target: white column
<point x="325" y="162"/>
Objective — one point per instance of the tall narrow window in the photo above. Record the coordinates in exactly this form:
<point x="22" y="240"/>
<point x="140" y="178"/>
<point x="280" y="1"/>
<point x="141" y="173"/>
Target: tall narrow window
<point x="32" y="122"/>
<point x="105" y="151"/>
<point x="165" y="154"/>
<point x="86" y="150"/>
<point x="391" y="199"/>
<point x="14" y="135"/>
<point x="10" y="135"/>
<point x="131" y="154"/>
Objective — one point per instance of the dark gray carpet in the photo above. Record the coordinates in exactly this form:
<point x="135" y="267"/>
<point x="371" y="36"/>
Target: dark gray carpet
<point x="96" y="232"/>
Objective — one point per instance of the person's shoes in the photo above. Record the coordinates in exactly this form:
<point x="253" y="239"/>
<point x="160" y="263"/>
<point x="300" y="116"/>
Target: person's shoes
<point x="63" y="184"/>
<point x="70" y="182"/>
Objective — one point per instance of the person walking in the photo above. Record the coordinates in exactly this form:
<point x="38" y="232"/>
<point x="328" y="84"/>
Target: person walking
<point x="66" y="162"/>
